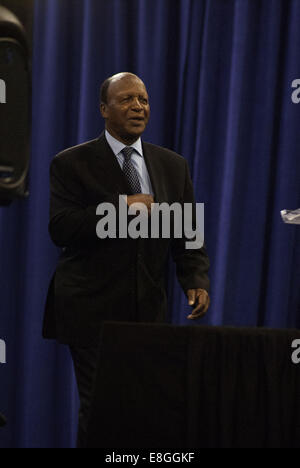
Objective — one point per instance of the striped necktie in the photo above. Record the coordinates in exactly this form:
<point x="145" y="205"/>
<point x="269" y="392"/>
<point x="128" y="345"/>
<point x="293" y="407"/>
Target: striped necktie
<point x="130" y="171"/>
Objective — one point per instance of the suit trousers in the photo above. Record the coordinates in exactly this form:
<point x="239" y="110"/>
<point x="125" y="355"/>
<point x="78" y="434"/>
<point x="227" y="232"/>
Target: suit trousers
<point x="85" y="362"/>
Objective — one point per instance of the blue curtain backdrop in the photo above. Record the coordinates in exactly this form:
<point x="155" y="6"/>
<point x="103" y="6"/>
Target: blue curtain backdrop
<point x="219" y="76"/>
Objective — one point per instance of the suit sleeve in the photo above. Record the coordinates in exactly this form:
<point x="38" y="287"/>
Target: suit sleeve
<point x="191" y="265"/>
<point x="72" y="222"/>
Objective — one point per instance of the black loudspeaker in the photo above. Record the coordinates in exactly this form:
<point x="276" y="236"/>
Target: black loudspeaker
<point x="15" y="108"/>
<point x="2" y="420"/>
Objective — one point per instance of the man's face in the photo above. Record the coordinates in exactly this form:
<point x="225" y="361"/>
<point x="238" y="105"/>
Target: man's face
<point x="127" y="110"/>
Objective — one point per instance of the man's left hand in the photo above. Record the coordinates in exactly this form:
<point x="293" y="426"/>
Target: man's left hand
<point x="200" y="299"/>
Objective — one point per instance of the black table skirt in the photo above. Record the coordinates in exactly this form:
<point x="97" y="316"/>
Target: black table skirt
<point x="163" y="386"/>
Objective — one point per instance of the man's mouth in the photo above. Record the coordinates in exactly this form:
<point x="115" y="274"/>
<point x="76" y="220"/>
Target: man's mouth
<point x="137" y="119"/>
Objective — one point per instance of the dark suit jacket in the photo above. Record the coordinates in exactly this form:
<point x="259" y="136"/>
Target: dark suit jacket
<point x="111" y="279"/>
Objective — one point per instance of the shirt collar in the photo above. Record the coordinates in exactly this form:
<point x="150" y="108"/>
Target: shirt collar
<point x="117" y="146"/>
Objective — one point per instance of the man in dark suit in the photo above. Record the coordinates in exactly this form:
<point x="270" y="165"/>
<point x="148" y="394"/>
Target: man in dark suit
<point x="119" y="279"/>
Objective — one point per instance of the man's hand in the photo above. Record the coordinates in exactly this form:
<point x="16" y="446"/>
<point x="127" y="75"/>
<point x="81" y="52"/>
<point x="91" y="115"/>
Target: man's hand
<point x="200" y="299"/>
<point x="141" y="198"/>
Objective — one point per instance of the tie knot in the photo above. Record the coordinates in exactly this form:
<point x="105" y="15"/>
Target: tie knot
<point x="127" y="151"/>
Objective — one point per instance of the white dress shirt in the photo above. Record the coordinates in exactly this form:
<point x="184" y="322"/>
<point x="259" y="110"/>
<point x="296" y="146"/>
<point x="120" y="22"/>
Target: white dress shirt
<point x="137" y="159"/>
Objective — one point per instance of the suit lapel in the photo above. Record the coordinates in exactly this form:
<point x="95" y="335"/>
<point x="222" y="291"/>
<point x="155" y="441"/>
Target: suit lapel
<point x="109" y="166"/>
<point x="155" y="173"/>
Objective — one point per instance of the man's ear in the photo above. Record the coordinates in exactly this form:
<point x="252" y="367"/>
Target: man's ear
<point x="103" y="110"/>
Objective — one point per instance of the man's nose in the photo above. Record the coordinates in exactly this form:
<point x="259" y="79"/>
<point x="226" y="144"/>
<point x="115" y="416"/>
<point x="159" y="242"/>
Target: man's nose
<point x="136" y="105"/>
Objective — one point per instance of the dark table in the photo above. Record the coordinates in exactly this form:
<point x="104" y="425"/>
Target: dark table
<point x="163" y="386"/>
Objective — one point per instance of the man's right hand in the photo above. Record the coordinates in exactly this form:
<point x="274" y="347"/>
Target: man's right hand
<point x="141" y="198"/>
